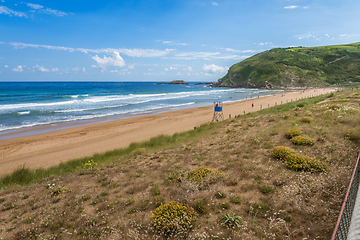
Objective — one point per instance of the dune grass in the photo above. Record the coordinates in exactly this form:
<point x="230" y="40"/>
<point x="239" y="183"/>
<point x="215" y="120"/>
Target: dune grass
<point x="26" y="176"/>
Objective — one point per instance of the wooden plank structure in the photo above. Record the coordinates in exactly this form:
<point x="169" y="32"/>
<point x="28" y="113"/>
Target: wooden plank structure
<point x="218" y="113"/>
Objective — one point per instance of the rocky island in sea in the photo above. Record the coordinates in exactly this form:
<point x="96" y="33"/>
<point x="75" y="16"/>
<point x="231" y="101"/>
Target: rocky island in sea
<point x="175" y="82"/>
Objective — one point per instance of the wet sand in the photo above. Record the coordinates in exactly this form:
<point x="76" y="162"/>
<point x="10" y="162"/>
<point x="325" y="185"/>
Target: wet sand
<point x="51" y="148"/>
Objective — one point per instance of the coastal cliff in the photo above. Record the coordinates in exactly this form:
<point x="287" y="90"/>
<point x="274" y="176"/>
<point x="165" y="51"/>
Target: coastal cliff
<point x="296" y="67"/>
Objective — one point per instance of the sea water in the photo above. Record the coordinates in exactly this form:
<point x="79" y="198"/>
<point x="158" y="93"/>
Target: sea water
<point x="30" y="104"/>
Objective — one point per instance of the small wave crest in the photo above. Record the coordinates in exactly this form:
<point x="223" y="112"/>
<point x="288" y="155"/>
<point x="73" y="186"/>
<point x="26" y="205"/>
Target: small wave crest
<point x="24" y="112"/>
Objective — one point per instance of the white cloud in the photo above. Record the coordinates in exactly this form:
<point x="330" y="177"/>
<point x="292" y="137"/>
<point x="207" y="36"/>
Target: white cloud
<point x="40" y="68"/>
<point x="188" y="69"/>
<point x="77" y="69"/>
<point x="173" y="43"/>
<point x="129" y="52"/>
<point x="6" y="66"/>
<point x="291" y="7"/>
<point x="266" y="43"/>
<point x="196" y="55"/>
<point x="170" y="68"/>
<point x="2" y="43"/>
<point x="18" y="69"/>
<point x="144" y="52"/>
<point x="305" y="36"/>
<point x="10" y="12"/>
<point x="24" y="45"/>
<point x="43" y="10"/>
<point x="53" y="12"/>
<point x="209" y="69"/>
<point x="34" y="6"/>
<point x="55" y="70"/>
<point x="346" y="35"/>
<point x="214" y="3"/>
<point x="232" y="57"/>
<point x="131" y="66"/>
<point x="240" y="51"/>
<point x="116" y="60"/>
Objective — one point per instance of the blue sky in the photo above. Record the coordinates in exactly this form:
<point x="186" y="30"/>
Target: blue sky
<point x="159" y="40"/>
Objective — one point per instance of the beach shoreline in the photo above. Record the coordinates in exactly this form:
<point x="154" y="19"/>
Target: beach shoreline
<point x="50" y="148"/>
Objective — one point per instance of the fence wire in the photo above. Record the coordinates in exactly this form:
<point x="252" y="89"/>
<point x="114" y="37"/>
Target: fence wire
<point x="343" y="224"/>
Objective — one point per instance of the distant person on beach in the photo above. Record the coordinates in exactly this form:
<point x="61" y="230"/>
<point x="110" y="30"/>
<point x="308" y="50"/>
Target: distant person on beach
<point x="252" y="105"/>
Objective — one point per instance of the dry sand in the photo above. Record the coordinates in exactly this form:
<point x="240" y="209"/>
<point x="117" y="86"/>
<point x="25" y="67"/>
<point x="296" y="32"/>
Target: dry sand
<point x="49" y="149"/>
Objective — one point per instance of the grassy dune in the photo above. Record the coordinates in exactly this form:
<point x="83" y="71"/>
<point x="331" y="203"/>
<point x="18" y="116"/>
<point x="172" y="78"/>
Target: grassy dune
<point x="229" y="180"/>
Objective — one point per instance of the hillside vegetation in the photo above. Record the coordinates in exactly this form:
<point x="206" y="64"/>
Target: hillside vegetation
<point x="296" y="67"/>
<point x="279" y="173"/>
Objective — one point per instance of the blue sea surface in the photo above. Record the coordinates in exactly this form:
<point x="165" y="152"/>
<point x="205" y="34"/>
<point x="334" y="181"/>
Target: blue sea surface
<point x="29" y="104"/>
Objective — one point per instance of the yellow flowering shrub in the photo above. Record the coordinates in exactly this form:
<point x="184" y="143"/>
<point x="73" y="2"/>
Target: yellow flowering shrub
<point x="91" y="164"/>
<point x="305" y="163"/>
<point x="204" y="176"/>
<point x="173" y="219"/>
<point x="306" y="119"/>
<point x="293" y="133"/>
<point x="281" y="152"/>
<point x="297" y="162"/>
<point x="302" y="140"/>
<point x="353" y="135"/>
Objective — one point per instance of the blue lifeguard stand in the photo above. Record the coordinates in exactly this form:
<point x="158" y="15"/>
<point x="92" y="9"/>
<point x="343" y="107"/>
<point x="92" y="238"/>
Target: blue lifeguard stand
<point x="218" y="113"/>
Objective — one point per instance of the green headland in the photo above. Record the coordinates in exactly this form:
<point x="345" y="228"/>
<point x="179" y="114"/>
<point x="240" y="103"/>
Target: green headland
<point x="296" y="67"/>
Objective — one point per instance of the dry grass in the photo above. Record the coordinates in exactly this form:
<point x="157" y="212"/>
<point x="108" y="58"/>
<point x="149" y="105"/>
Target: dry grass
<point x="115" y="200"/>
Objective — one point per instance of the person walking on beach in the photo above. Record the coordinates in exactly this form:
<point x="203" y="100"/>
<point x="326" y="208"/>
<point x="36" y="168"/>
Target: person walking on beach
<point x="252" y="105"/>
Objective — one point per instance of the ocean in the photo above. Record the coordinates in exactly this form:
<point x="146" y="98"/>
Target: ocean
<point x="25" y="105"/>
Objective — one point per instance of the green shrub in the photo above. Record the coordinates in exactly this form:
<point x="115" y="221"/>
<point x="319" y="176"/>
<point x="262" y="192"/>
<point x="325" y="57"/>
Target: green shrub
<point x="265" y="189"/>
<point x="158" y="201"/>
<point x="286" y="116"/>
<point x="155" y="190"/>
<point x="231" y="221"/>
<point x="204" y="176"/>
<point x="173" y="219"/>
<point x="281" y="152"/>
<point x="173" y="177"/>
<point x="305" y="119"/>
<point x="235" y="200"/>
<point x="224" y="205"/>
<point x="219" y="194"/>
<point x="293" y="133"/>
<point x="56" y="190"/>
<point x="302" y="140"/>
<point x="85" y="197"/>
<point x="353" y="135"/>
<point x="200" y="207"/>
<point x="341" y="100"/>
<point x="300" y="105"/>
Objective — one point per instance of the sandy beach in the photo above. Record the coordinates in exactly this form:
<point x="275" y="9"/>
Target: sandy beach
<point x="49" y="149"/>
